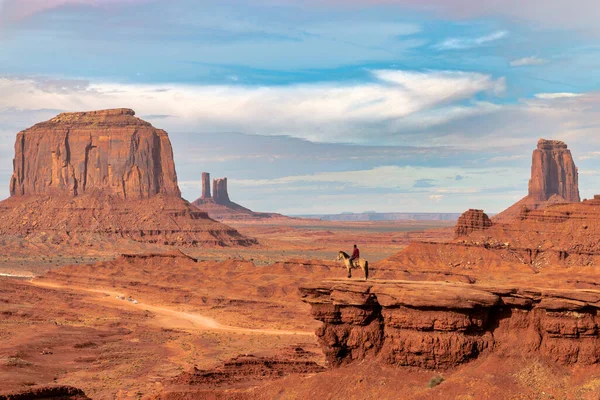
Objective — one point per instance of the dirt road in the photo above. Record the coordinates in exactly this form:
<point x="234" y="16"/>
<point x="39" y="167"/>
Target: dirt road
<point x="168" y="317"/>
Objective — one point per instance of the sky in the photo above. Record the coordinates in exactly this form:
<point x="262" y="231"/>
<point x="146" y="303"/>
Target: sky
<point x="314" y="107"/>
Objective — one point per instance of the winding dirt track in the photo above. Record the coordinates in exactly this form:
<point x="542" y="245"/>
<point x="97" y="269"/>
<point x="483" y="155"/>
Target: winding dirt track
<point x="168" y="317"/>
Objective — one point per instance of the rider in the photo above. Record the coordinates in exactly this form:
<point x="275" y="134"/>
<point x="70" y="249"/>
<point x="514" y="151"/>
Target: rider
<point x="355" y="255"/>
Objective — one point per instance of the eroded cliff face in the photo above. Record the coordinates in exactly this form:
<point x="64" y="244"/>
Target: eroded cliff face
<point x="441" y="325"/>
<point x="470" y="221"/>
<point x="88" y="176"/>
<point x="553" y="172"/>
<point x="554" y="180"/>
<point x="110" y="151"/>
<point x="205" y="186"/>
<point x="220" y="194"/>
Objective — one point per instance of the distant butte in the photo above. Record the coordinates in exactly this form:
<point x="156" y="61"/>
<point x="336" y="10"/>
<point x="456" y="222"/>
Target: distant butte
<point x="220" y="207"/>
<point x="103" y="174"/>
<point x="554" y="179"/>
<point x="547" y="231"/>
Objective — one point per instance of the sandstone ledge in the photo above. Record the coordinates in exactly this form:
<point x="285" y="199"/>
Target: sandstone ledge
<point x="441" y="325"/>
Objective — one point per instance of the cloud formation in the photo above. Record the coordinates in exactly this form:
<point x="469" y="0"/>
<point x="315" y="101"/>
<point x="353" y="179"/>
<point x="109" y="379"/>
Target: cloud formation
<point x="564" y="14"/>
<point x="391" y="103"/>
<point x="554" y="96"/>
<point x="469" y="42"/>
<point x="527" y="61"/>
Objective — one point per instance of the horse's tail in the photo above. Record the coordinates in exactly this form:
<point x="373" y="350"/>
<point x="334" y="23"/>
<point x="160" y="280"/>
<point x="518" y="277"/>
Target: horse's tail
<point x="366" y="270"/>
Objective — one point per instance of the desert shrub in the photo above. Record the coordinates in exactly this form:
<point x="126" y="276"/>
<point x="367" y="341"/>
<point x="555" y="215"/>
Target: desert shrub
<point x="436" y="380"/>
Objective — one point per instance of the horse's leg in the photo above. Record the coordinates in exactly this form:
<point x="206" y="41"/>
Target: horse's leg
<point x="349" y="267"/>
<point x="366" y="268"/>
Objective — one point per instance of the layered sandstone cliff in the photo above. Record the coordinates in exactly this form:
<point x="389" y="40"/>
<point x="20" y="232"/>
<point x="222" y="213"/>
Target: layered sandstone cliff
<point x="110" y="151"/>
<point x="441" y="325"/>
<point x="104" y="173"/>
<point x="554" y="180"/>
<point x="470" y="221"/>
<point x="553" y="172"/>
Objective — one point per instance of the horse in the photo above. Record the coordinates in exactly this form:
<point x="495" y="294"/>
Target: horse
<point x="360" y="263"/>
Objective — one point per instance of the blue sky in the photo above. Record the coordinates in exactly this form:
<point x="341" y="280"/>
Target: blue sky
<point x="322" y="107"/>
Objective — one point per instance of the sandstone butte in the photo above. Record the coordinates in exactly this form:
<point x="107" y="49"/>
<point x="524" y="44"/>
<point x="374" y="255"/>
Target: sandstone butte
<point x="554" y="179"/>
<point x="523" y="285"/>
<point x="220" y="207"/>
<point x="103" y="173"/>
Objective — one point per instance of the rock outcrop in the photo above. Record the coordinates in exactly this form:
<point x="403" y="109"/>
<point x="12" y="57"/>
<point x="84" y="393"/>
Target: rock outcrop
<point x="553" y="172"/>
<point x="554" y="180"/>
<point x="110" y="151"/>
<point x="470" y="221"/>
<point x="440" y="325"/>
<point x="220" y="207"/>
<point x="205" y="186"/>
<point x="50" y="392"/>
<point x="85" y="175"/>
<point x="220" y="194"/>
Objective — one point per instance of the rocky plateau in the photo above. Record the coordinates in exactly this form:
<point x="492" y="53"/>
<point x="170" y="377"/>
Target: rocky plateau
<point x="103" y="174"/>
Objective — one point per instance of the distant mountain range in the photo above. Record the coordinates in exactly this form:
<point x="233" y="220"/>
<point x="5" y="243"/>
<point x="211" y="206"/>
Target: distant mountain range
<point x="374" y="216"/>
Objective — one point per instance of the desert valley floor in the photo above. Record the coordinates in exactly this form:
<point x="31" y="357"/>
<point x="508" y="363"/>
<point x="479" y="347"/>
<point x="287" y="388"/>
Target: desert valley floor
<point x="153" y="321"/>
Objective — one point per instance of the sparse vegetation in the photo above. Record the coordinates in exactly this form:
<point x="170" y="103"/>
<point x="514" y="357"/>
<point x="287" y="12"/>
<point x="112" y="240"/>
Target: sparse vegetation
<point x="435" y="381"/>
<point x="16" y="362"/>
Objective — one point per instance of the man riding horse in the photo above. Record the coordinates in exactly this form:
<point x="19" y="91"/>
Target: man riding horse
<point x="355" y="255"/>
<point x="354" y="261"/>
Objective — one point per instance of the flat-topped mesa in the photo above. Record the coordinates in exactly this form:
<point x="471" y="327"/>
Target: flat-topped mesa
<point x="103" y="175"/>
<point x="553" y="172"/>
<point x="109" y="151"/>
<point x="470" y="221"/>
<point x="220" y="194"/>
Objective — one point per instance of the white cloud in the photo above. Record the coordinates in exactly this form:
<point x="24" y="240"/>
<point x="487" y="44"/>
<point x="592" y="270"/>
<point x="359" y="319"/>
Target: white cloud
<point x="436" y="197"/>
<point x="513" y="157"/>
<point x="527" y="61"/>
<point x="589" y="156"/>
<point x="401" y="178"/>
<point x="468" y="43"/>
<point x="554" y="96"/>
<point x="318" y="112"/>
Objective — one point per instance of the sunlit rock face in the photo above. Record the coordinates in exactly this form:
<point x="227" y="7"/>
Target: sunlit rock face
<point x="110" y="151"/>
<point x="553" y="172"/>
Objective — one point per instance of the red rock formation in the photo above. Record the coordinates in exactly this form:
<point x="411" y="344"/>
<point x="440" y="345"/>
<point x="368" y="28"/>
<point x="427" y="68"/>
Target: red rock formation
<point x="554" y="180"/>
<point x="110" y="151"/>
<point x="438" y="325"/>
<point x="247" y="367"/>
<point x="220" y="191"/>
<point x="553" y="172"/>
<point x="106" y="173"/>
<point x="50" y="392"/>
<point x="205" y="186"/>
<point x="220" y="207"/>
<point x="471" y="220"/>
